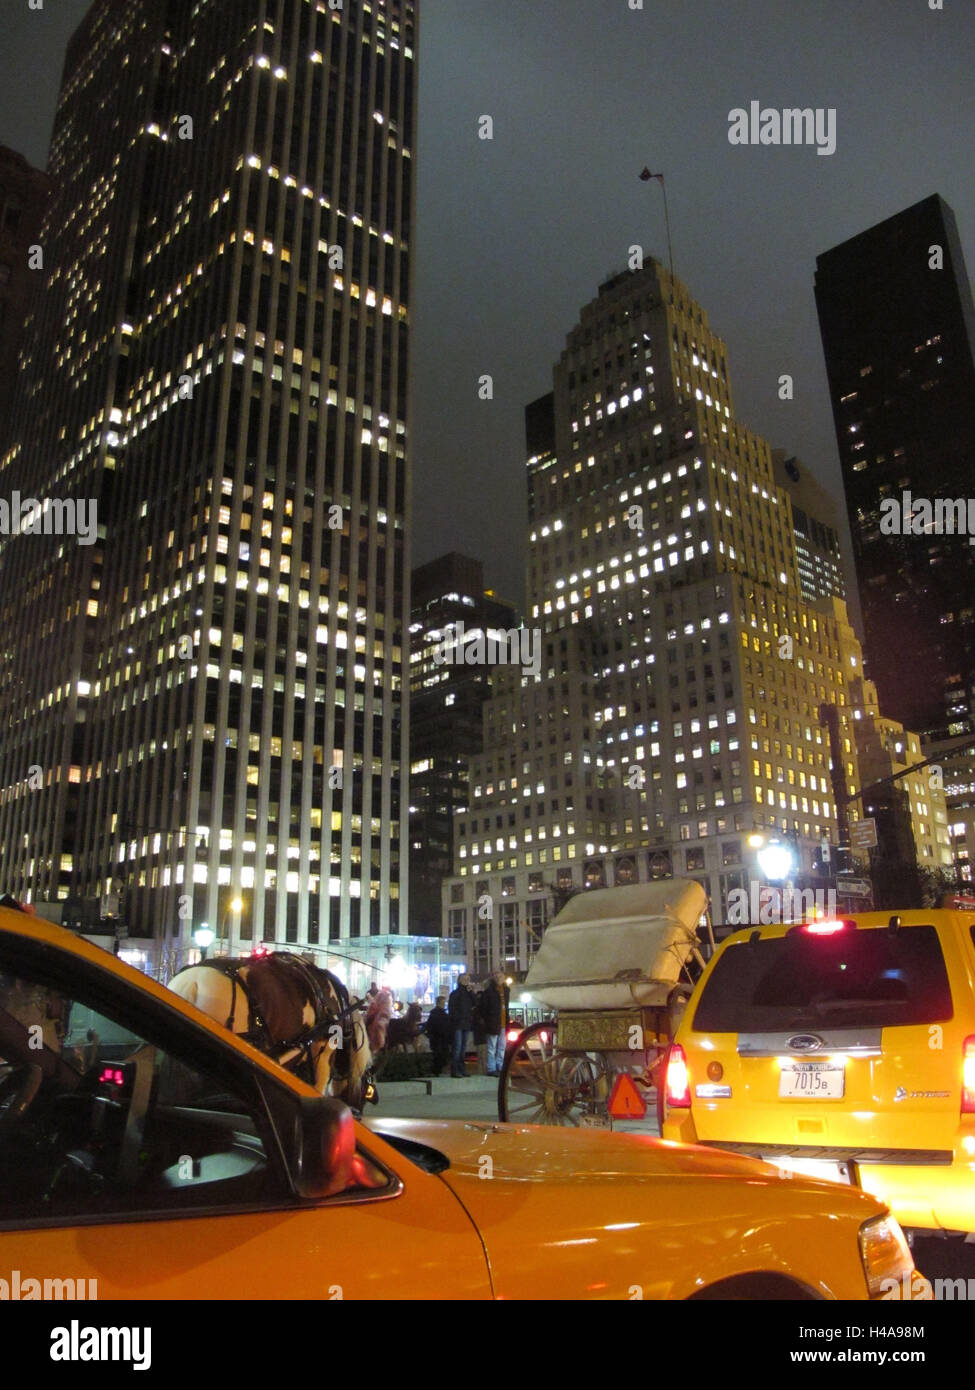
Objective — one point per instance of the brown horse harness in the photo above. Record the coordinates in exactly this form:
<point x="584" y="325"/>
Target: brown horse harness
<point x="259" y="1034"/>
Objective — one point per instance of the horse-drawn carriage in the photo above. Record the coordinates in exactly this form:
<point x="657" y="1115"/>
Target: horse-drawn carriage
<point x="615" y="968"/>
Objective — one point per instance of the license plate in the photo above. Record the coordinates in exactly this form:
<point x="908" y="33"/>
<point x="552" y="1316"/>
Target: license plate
<point x="815" y="1168"/>
<point x="811" y="1081"/>
<point x="596" y="1121"/>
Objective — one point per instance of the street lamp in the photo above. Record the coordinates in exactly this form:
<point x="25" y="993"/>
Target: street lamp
<point x="776" y="859"/>
<point x="204" y="937"/>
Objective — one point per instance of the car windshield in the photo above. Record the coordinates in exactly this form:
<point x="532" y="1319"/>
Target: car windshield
<point x="795" y="981"/>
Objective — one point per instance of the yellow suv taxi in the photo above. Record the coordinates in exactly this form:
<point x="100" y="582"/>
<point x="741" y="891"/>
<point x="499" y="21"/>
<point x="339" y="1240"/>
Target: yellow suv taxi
<point x="841" y="1048"/>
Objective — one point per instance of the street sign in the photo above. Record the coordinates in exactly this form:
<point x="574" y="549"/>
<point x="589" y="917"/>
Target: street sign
<point x="625" y="1101"/>
<point x="863" y="835"/>
<point x="853" y="887"/>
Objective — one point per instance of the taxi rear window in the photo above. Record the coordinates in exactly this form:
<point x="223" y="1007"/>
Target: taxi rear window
<point x="856" y="977"/>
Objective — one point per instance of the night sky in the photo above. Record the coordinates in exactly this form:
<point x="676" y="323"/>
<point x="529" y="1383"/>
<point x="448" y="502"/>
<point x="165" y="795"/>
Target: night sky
<point x="515" y="234"/>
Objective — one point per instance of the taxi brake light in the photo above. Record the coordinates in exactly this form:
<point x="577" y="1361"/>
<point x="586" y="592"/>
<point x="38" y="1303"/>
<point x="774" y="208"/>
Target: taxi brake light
<point x="968" y="1077"/>
<point x="677" y="1087"/>
<point x="827" y="928"/>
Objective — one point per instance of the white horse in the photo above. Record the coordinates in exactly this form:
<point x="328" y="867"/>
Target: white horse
<point x="296" y="1012"/>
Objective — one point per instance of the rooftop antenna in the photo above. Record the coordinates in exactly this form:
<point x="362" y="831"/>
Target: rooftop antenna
<point x="646" y="176"/>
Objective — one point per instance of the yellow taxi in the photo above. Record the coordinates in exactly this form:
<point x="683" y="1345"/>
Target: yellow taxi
<point x="147" y="1153"/>
<point x="844" y="1048"/>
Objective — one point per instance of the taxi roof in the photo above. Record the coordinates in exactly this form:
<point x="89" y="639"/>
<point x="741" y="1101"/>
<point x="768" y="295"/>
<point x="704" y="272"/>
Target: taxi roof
<point x="952" y="918"/>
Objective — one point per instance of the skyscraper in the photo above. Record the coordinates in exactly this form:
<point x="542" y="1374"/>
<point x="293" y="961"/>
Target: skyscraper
<point x="23" y="192"/>
<point x="898" y="331"/>
<point x="446" y="699"/>
<point x="677" y="710"/>
<point x="814" y="526"/>
<point x="204" y="705"/>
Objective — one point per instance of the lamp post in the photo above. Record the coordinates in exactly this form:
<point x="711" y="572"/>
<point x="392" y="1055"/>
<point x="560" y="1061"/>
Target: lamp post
<point x="236" y="906"/>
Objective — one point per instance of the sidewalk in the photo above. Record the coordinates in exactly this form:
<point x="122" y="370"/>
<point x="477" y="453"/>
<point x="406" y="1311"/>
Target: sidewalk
<point x="438" y="1086"/>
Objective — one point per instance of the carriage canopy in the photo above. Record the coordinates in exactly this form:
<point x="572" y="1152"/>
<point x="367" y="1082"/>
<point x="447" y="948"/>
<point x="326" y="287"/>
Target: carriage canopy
<point x="617" y="948"/>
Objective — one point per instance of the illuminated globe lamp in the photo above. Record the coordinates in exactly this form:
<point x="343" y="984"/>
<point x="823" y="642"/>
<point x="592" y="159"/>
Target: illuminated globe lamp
<point x="776" y="859"/>
<point x="204" y="936"/>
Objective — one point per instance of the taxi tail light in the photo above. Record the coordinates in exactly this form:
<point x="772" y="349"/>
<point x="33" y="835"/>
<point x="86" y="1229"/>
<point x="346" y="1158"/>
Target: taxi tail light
<point x="513" y="1034"/>
<point x="828" y="927"/>
<point x="677" y="1086"/>
<point x="968" y="1077"/>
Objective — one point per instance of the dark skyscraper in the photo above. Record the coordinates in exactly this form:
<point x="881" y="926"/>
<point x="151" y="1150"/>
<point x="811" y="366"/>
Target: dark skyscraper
<point x="201" y="699"/>
<point x="446" y="705"/>
<point x="898" y="329"/>
<point x="23" y="193"/>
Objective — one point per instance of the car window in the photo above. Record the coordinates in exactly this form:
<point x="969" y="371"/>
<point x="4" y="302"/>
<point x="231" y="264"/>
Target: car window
<point x="852" y="978"/>
<point x="96" y="1121"/>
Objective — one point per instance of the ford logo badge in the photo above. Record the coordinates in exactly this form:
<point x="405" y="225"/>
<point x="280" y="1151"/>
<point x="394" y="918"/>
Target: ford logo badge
<point x="805" y="1042"/>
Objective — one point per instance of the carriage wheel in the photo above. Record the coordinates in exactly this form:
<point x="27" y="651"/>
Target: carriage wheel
<point x="543" y="1086"/>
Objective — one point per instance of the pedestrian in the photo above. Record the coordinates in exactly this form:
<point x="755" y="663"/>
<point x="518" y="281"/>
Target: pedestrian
<point x="480" y="1029"/>
<point x="439" y="1031"/>
<point x="378" y="1014"/>
<point x="494" y="1012"/>
<point x="460" y="1008"/>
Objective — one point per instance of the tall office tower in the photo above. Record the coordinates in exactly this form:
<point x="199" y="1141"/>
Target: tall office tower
<point x="23" y="193"/>
<point x="898" y="331"/>
<point x="815" y="527"/>
<point x="204" y="707"/>
<point x="446" y="699"/>
<point x="677" y="708"/>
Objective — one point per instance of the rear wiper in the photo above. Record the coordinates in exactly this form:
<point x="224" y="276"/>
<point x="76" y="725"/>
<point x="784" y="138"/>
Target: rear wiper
<point x="829" y="1006"/>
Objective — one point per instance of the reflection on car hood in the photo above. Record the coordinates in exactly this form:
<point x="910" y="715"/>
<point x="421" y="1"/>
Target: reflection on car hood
<point x="536" y="1153"/>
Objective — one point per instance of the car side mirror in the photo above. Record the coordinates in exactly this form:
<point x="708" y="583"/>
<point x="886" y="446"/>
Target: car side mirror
<point x="326" y="1147"/>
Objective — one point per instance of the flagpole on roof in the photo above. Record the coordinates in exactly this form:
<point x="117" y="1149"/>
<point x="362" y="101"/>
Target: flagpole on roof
<point x="646" y="176"/>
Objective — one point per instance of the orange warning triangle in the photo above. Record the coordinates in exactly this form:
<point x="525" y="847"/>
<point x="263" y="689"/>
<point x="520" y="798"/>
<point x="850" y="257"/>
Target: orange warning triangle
<point x="625" y="1101"/>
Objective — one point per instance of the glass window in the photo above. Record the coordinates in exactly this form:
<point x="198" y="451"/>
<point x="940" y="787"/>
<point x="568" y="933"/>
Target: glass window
<point x="857" y="977"/>
<point x="97" y="1121"/>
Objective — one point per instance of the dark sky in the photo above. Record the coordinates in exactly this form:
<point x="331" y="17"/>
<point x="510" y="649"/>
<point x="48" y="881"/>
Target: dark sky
<point x="514" y="235"/>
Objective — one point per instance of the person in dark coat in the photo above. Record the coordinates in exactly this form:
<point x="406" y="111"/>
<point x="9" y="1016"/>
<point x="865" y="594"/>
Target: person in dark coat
<point x="494" y="1012"/>
<point x="439" y="1030"/>
<point x="460" y="1008"/>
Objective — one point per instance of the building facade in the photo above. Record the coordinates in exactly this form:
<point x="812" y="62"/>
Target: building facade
<point x="679" y="706"/>
<point x="815" y="528"/>
<point x="23" y="194"/>
<point x="446" y="700"/>
<point x="202" y="704"/>
<point x="898" y="332"/>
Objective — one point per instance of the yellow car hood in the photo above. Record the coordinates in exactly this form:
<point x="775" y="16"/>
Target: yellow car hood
<point x="568" y="1213"/>
<point x="539" y="1153"/>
